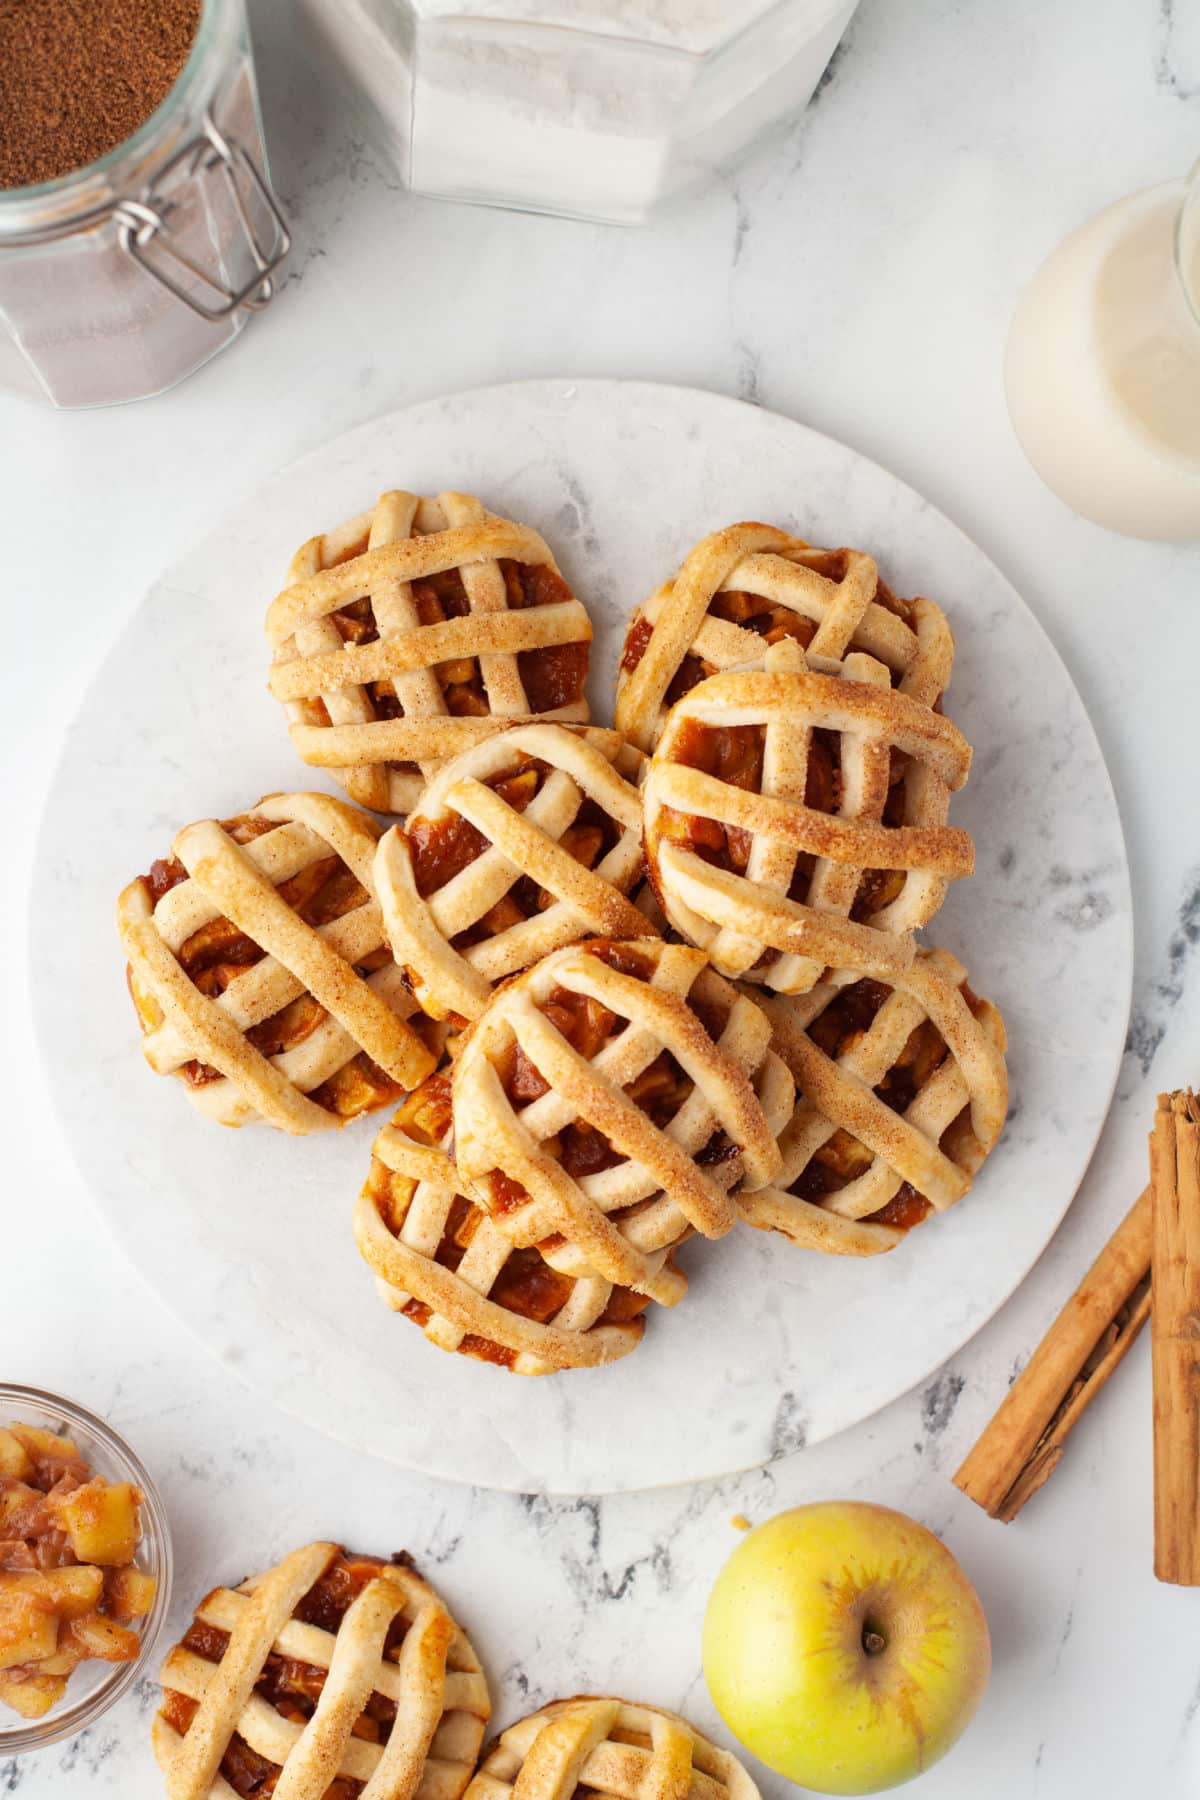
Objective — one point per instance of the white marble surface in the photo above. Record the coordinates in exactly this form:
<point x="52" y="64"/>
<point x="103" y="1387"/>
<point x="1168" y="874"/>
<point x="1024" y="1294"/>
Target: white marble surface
<point x="857" y="271"/>
<point x="771" y="1348"/>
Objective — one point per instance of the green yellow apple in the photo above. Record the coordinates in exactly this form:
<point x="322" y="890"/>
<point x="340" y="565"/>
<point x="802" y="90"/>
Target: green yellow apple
<point x="844" y="1646"/>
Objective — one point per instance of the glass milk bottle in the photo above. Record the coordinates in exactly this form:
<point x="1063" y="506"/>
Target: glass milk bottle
<point x="1103" y="365"/>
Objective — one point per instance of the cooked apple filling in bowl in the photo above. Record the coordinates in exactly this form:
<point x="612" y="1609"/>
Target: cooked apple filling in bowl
<point x="85" y="1568"/>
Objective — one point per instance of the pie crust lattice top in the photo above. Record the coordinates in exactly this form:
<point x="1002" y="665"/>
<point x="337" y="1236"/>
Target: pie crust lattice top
<point x="260" y="969"/>
<point x="609" y="1749"/>
<point x="903" y="1091"/>
<point x="441" y="1260"/>
<point x="520" y="845"/>
<point x="416" y="630"/>
<point x="796" y="821"/>
<point x="610" y="1099"/>
<point x="331" y="1677"/>
<point x="748" y="586"/>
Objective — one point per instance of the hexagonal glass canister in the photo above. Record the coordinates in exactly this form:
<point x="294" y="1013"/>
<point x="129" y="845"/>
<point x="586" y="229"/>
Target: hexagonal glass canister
<point x="590" y="108"/>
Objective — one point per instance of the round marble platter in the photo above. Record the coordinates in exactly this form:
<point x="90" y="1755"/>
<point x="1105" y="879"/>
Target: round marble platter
<point x="246" y="1234"/>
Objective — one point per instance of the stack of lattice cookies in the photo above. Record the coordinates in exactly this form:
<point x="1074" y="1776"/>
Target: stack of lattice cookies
<point x="638" y="984"/>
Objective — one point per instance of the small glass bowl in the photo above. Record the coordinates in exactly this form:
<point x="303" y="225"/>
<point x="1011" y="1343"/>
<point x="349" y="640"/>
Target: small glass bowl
<point x="94" y="1686"/>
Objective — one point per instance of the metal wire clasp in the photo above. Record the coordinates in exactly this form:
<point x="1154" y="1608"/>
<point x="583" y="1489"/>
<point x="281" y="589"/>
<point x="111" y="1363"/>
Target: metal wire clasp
<point x="144" y="227"/>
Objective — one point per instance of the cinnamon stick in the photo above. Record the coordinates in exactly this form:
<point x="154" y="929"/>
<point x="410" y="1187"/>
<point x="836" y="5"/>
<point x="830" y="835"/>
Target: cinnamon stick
<point x="1092" y="1334"/>
<point x="1175" y="1337"/>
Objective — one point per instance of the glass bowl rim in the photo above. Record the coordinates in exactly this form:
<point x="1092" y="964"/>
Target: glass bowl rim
<point x="67" y="1719"/>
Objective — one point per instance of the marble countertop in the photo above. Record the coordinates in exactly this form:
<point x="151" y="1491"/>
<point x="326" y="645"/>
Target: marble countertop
<point x="856" y="271"/>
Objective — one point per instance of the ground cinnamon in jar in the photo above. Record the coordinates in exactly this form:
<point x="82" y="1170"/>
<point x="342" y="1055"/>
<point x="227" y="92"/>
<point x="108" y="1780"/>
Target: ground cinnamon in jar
<point x="77" y="77"/>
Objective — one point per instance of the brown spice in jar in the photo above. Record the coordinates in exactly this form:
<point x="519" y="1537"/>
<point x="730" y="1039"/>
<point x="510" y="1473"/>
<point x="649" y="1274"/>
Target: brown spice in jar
<point x="77" y="77"/>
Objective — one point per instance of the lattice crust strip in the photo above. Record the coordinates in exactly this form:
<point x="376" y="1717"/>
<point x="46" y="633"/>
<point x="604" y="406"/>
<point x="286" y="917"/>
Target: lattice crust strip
<point x="433" y="1679"/>
<point x="239" y="882"/>
<point x="611" y="1749"/>
<point x="749" y="922"/>
<point x="935" y="1145"/>
<point x="788" y="574"/>
<point x="733" y="1085"/>
<point x="324" y="681"/>
<point x="528" y="844"/>
<point x="459" y="1300"/>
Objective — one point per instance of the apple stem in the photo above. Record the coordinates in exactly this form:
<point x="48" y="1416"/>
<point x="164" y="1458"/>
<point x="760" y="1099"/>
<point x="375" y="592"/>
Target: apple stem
<point x="873" y="1642"/>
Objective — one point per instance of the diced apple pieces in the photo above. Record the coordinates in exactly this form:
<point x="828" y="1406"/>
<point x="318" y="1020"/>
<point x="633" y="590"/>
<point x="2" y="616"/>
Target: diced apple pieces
<point x="15" y="1460"/>
<point x="31" y="1695"/>
<point x="68" y="1589"/>
<point x="94" y="1635"/>
<point x="20" y="1509"/>
<point x="44" y="1446"/>
<point x="101" y="1520"/>
<point x="28" y="1633"/>
<point x="129" y="1593"/>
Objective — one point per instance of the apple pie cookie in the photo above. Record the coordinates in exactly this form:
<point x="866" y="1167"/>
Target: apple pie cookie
<point x="904" y="1092"/>
<point x="750" y="586"/>
<point x="441" y="1260"/>
<point x="602" y="1749"/>
<point x="416" y="630"/>
<point x="330" y="1677"/>
<point x="796" y="821"/>
<point x="609" y="1101"/>
<point x="520" y="845"/>
<point x="260" y="971"/>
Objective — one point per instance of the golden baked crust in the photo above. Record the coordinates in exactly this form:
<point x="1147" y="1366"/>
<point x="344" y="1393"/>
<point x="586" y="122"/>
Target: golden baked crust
<point x="416" y="630"/>
<point x="329" y="1677"/>
<point x="610" y="1099"/>
<point x="904" y="1092"/>
<point x="522" y="844"/>
<point x="749" y="586"/>
<point x="797" y="821"/>
<point x="610" y="1749"/>
<point x="440" y="1260"/>
<point x="260" y="970"/>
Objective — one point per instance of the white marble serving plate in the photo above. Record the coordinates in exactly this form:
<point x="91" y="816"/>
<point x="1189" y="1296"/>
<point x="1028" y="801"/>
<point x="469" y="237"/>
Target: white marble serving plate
<point x="247" y="1234"/>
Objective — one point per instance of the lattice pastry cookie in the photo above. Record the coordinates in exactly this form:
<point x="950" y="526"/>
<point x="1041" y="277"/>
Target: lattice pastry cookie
<point x="904" y="1092"/>
<point x="260" y="970"/>
<point x="416" y="630"/>
<point x="601" y="1749"/>
<point x="610" y="1100"/>
<point x="331" y="1677"/>
<point x="520" y="845"/>
<point x="749" y="586"/>
<point x="439" y="1259"/>
<point x="796" y="821"/>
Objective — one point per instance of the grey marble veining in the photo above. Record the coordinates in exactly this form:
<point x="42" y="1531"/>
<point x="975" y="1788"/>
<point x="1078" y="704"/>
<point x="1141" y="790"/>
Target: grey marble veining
<point x="856" y="271"/>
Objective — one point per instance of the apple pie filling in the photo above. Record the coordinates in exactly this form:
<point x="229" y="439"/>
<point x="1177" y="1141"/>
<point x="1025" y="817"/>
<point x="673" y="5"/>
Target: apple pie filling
<point x="552" y="676"/>
<point x="587" y="1025"/>
<point x="768" y="619"/>
<point x="293" y="1688"/>
<point x="69" y="1590"/>
<point x="218" y="951"/>
<point x="734" y="755"/>
<point x="842" y="1159"/>
<point x="443" y="848"/>
<point x="526" y="1285"/>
